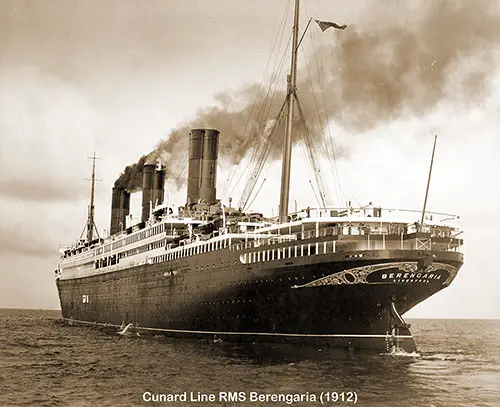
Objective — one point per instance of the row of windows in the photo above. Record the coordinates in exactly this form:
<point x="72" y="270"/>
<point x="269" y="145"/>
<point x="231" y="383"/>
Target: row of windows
<point x="309" y="249"/>
<point x="112" y="260"/>
<point x="143" y="248"/>
<point x="106" y="261"/>
<point x="143" y="235"/>
<point x="190" y="251"/>
<point x="132" y="239"/>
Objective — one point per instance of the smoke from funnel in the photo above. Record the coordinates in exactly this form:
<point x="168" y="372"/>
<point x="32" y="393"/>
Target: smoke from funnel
<point x="369" y="74"/>
<point x="442" y="52"/>
<point x="131" y="178"/>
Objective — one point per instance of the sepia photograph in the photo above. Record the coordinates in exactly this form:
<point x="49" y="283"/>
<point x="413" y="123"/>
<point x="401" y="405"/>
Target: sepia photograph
<point x="249" y="203"/>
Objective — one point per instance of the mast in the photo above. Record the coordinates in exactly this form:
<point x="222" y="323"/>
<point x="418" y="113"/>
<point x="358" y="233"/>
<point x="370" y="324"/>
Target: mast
<point x="428" y="181"/>
<point x="291" y="95"/>
<point x="90" y="221"/>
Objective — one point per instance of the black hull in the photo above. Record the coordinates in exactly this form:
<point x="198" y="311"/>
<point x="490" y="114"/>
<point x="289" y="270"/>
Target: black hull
<point x="290" y="301"/>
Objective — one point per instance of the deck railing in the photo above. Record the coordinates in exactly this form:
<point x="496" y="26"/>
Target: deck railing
<point x="383" y="214"/>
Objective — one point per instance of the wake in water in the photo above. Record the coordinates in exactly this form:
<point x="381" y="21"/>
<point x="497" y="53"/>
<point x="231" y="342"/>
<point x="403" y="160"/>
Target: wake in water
<point x="125" y="331"/>
<point x="402" y="353"/>
<point x="453" y="356"/>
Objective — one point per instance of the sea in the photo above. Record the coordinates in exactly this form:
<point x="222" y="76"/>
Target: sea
<point x="44" y="362"/>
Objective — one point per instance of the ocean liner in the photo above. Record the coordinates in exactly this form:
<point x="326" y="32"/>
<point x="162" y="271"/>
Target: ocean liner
<point x="326" y="276"/>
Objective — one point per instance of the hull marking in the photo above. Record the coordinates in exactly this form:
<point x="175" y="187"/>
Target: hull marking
<point x="383" y="273"/>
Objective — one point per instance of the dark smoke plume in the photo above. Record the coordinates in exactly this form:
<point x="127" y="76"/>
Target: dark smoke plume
<point x="131" y="178"/>
<point x="383" y="71"/>
<point x="371" y="73"/>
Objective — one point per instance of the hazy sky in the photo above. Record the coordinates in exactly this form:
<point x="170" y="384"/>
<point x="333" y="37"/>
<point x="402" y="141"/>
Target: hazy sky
<point x="117" y="77"/>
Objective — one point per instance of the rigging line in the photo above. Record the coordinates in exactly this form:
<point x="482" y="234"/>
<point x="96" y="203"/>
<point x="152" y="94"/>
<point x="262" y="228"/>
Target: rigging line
<point x="252" y="180"/>
<point x="322" y="124"/>
<point x="328" y="139"/>
<point x="313" y="47"/>
<point x="83" y="231"/>
<point x="314" y="192"/>
<point x="319" y="60"/>
<point x="181" y="173"/>
<point x="256" y="156"/>
<point x="276" y="75"/>
<point x="322" y="190"/>
<point x="264" y="153"/>
<point x="319" y="64"/>
<point x="275" y="81"/>
<point x="226" y="166"/>
<point x="314" y="95"/>
<point x="256" y="195"/>
<point x="181" y="166"/>
<point x="246" y="204"/>
<point x="256" y="172"/>
<point x="309" y="163"/>
<point x="317" y="145"/>
<point x="255" y="140"/>
<point x="328" y="145"/>
<point x="251" y="175"/>
<point x="311" y="147"/>
<point x="304" y="33"/>
<point x="279" y="35"/>
<point x="264" y="107"/>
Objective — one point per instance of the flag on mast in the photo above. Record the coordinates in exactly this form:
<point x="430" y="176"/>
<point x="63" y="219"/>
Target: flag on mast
<point x="325" y="25"/>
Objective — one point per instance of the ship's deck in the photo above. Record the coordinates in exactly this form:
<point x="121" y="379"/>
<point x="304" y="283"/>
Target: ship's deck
<point x="311" y="231"/>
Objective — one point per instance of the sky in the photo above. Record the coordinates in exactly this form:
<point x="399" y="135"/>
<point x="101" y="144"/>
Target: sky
<point x="126" y="78"/>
